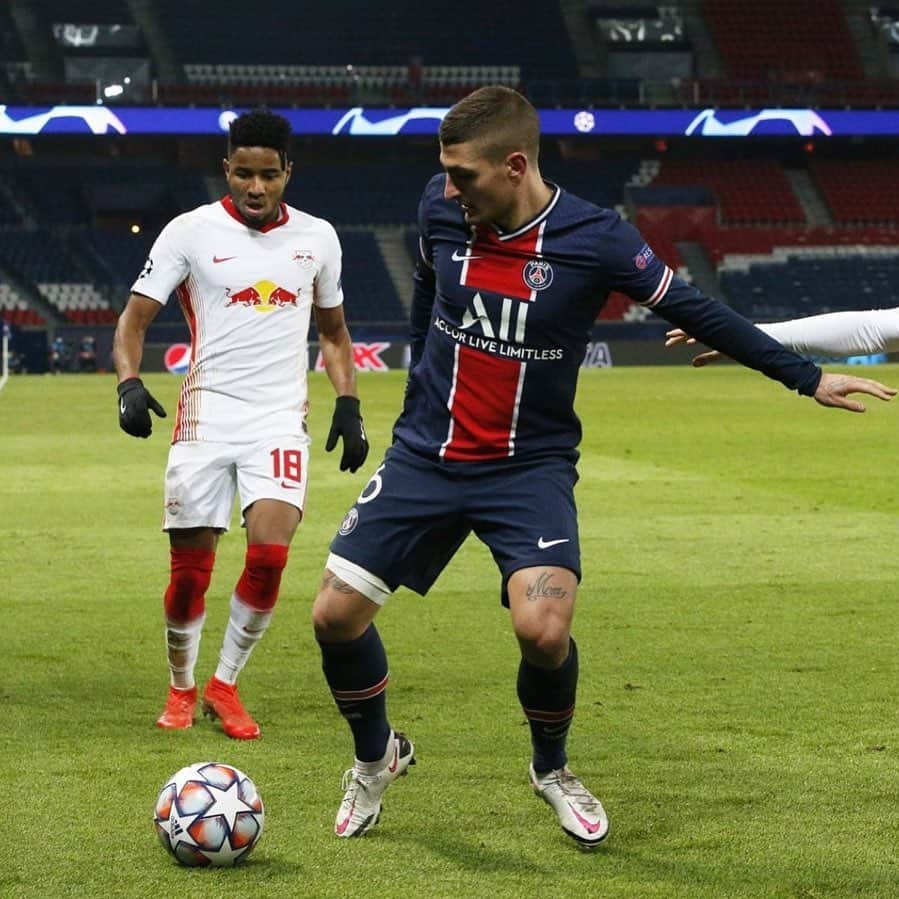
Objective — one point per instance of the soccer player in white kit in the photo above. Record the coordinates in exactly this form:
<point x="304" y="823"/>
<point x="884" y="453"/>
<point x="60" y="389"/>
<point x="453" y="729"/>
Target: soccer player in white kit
<point x="248" y="272"/>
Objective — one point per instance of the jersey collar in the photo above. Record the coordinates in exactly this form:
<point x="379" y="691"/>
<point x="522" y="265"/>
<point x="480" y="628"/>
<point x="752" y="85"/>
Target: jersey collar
<point x="232" y="210"/>
<point x="557" y="192"/>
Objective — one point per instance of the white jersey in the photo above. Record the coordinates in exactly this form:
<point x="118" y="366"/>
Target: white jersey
<point x="247" y="295"/>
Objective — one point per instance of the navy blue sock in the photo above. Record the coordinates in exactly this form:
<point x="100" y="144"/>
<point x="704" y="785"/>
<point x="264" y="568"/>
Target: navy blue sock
<point x="356" y="672"/>
<point x="547" y="697"/>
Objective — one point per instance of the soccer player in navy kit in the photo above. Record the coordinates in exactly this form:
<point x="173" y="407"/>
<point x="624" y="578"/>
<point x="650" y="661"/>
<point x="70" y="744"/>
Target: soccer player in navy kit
<point x="512" y="275"/>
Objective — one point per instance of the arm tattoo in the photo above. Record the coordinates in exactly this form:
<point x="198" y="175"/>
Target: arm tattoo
<point x="331" y="580"/>
<point x="541" y="589"/>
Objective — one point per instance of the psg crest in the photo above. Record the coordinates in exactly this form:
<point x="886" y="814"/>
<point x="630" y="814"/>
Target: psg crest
<point x="538" y="274"/>
<point x="349" y="522"/>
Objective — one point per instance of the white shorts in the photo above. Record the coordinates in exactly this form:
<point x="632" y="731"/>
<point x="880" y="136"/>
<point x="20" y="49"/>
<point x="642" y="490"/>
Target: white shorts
<point x="202" y="478"/>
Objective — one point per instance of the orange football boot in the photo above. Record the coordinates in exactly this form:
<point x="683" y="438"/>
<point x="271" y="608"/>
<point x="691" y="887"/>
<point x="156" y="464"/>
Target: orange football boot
<point x="179" y="709"/>
<point x="220" y="700"/>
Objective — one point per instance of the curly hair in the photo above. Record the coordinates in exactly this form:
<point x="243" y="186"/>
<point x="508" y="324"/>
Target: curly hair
<point x="260" y="128"/>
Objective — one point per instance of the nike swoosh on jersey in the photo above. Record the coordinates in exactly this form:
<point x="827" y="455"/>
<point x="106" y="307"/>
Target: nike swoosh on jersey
<point x="457" y="258"/>
<point x="287" y="486"/>
<point x="217" y="259"/>
<point x="546" y="544"/>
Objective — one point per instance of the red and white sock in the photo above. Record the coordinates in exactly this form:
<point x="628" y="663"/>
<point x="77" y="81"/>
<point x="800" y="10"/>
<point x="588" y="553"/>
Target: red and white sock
<point x="185" y="606"/>
<point x="252" y="604"/>
<point x="183" y="646"/>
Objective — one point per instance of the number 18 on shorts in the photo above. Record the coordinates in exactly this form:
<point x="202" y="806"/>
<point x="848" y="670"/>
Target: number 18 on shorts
<point x="202" y="479"/>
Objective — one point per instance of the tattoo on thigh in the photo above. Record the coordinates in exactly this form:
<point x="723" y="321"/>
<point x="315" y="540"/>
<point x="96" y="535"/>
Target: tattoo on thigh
<point x="335" y="583"/>
<point x="541" y="589"/>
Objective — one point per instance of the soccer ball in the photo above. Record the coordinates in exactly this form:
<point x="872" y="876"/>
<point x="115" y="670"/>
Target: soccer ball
<point x="209" y="814"/>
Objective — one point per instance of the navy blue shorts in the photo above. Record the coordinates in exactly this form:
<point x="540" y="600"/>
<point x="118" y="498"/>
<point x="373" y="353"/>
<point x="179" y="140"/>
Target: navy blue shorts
<point x="414" y="514"/>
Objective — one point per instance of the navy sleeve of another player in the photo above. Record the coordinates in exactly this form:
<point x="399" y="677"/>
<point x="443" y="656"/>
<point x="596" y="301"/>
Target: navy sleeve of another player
<point x="635" y="270"/>
<point x="424" y="287"/>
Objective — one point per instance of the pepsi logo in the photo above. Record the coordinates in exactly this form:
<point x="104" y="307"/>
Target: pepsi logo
<point x="177" y="358"/>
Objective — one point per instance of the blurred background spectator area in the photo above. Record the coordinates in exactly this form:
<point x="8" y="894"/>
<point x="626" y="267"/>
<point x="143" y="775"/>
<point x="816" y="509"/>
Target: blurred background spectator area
<point x="775" y="226"/>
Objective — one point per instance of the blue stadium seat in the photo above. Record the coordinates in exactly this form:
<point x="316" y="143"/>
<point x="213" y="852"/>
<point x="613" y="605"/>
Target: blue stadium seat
<point x="802" y="285"/>
<point x="369" y="295"/>
<point x="328" y="192"/>
<point x="497" y="33"/>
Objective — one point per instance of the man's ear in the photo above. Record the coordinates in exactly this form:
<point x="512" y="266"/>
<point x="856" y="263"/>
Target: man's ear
<point x="517" y="165"/>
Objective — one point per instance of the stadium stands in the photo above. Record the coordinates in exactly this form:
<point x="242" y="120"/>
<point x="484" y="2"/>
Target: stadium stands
<point x="378" y="35"/>
<point x="800" y="41"/>
<point x="15" y="310"/>
<point x="80" y="304"/>
<point x="71" y="246"/>
<point x="369" y="294"/>
<point x="795" y="285"/>
<point x="721" y="243"/>
<point x="747" y="218"/>
<point x="326" y="191"/>
<point x="302" y="85"/>
<point x="749" y="191"/>
<point x="42" y="259"/>
<point x="865" y="192"/>
<point x="87" y="12"/>
<point x="83" y="193"/>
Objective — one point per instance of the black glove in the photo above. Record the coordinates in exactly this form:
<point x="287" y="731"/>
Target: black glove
<point x="135" y="401"/>
<point x="347" y="423"/>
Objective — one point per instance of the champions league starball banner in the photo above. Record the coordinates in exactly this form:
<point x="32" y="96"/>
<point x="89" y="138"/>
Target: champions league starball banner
<point x="364" y="122"/>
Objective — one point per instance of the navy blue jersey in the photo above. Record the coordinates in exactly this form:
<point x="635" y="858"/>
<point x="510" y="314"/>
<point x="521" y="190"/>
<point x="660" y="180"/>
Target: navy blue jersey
<point x="501" y="322"/>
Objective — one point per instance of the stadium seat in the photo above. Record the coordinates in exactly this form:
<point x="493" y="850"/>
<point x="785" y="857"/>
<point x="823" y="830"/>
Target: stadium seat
<point x="769" y="39"/>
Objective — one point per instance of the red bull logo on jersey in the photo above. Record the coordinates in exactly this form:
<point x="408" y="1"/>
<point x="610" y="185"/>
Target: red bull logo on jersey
<point x="538" y="274"/>
<point x="263" y="296"/>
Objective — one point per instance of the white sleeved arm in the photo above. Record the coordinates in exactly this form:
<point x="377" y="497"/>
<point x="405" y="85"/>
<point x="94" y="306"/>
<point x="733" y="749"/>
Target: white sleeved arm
<point x="167" y="265"/>
<point x="840" y="333"/>
<point x="328" y="289"/>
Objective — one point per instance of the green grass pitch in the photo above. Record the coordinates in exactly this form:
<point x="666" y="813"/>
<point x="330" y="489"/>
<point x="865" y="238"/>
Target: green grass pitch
<point x="738" y="626"/>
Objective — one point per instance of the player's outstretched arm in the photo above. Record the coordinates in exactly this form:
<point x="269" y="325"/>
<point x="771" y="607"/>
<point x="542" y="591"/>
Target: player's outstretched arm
<point x="833" y="390"/>
<point x="851" y="333"/>
<point x="134" y="400"/>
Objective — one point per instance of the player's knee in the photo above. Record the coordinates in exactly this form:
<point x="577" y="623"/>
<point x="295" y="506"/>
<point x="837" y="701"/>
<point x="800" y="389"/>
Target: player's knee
<point x="340" y="616"/>
<point x="545" y="643"/>
<point x="191" y="571"/>
<point x="261" y="578"/>
<point x="330" y="621"/>
<point x="330" y="627"/>
<point x="324" y="622"/>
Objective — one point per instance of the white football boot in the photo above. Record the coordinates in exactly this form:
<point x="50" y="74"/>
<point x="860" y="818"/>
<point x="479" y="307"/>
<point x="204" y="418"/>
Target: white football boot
<point x="361" y="806"/>
<point x="580" y="813"/>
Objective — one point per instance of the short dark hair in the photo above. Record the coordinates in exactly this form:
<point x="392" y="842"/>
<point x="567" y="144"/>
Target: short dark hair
<point x="499" y="117"/>
<point x="260" y="128"/>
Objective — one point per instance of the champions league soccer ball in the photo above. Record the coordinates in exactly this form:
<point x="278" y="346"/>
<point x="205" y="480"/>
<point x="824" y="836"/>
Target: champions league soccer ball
<point x="209" y="814"/>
